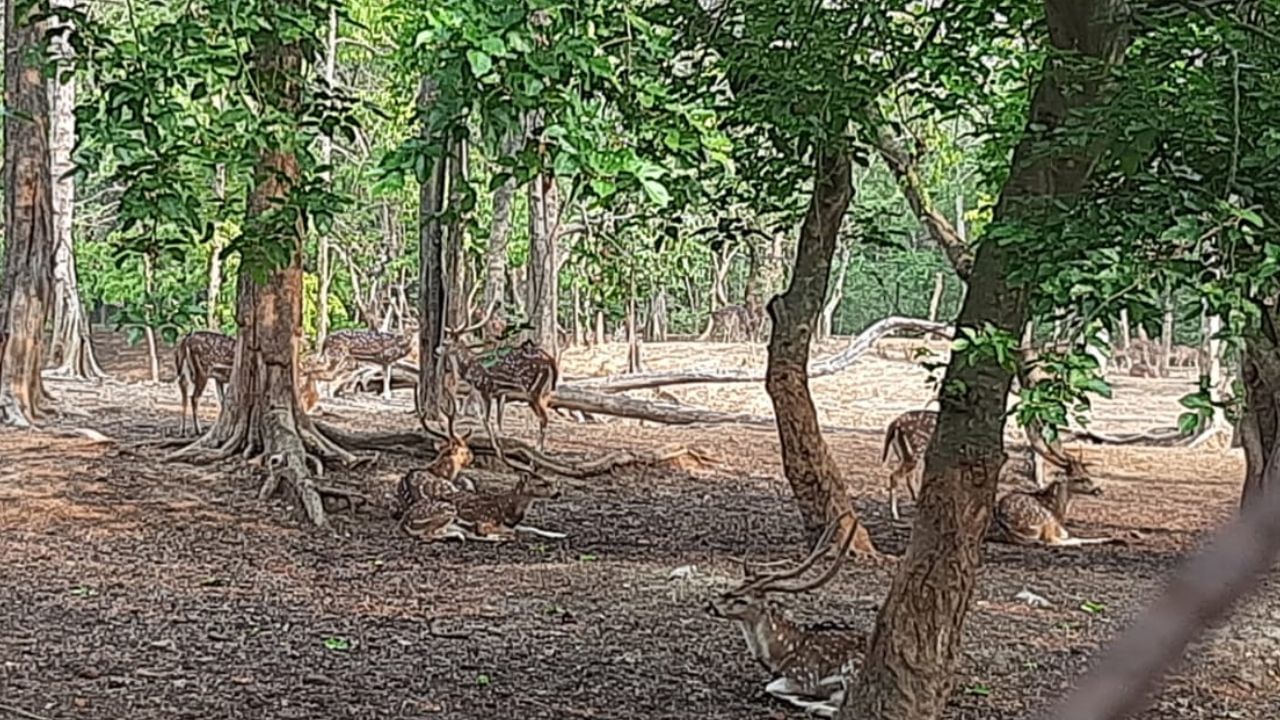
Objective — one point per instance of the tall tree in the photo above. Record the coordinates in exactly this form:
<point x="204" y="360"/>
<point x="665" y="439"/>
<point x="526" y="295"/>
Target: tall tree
<point x="323" y="262"/>
<point x="432" y="273"/>
<point x="262" y="414"/>
<point x="913" y="652"/>
<point x="500" y="229"/>
<point x="29" y="238"/>
<point x="71" y="345"/>
<point x="544" y="275"/>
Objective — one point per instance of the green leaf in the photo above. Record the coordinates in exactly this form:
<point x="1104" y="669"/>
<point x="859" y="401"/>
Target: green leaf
<point x="1188" y="423"/>
<point x="655" y="191"/>
<point x="480" y="63"/>
<point x="1097" y="386"/>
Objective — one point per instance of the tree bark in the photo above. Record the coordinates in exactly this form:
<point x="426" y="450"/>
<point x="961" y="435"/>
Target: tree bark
<point x="1260" y="423"/>
<point x="908" y="672"/>
<point x="826" y="327"/>
<point x="29" y="237"/>
<point x="326" y="158"/>
<point x="935" y="302"/>
<point x="815" y="478"/>
<point x="500" y="231"/>
<point x="455" y="251"/>
<point x="904" y="166"/>
<point x="148" y="330"/>
<point x="431" y="278"/>
<point x="1166" y="337"/>
<point x="71" y="346"/>
<point x="543" y="280"/>
<point x="215" y="252"/>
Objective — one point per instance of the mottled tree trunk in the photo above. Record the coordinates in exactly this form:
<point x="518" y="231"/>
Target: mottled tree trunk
<point x="323" y="261"/>
<point x="541" y="300"/>
<point x="826" y="327"/>
<point x="432" y="301"/>
<point x="71" y="346"/>
<point x="455" y="251"/>
<point x="27" y="285"/>
<point x="913" y="652"/>
<point x="1259" y="429"/>
<point x="215" y="253"/>
<point x="807" y="461"/>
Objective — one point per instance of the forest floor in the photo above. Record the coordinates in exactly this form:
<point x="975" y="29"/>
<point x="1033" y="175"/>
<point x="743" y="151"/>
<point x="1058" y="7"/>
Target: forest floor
<point x="135" y="588"/>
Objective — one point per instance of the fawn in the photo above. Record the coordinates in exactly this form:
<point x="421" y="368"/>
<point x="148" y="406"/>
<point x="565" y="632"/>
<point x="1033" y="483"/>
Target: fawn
<point x="475" y="516"/>
<point x="810" y="663"/>
<point x="1039" y="518"/>
<point x="347" y="347"/>
<point x="204" y="355"/>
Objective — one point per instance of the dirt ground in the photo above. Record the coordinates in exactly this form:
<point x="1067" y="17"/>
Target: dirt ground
<point x="135" y="588"/>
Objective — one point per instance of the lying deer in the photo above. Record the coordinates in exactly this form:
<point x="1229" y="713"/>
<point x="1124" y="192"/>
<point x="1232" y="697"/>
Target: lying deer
<point x="348" y="347"/>
<point x="910" y="433"/>
<point x="204" y="355"/>
<point x="810" y="663"/>
<point x="475" y="516"/>
<point x="440" y="478"/>
<point x="1039" y="518"/>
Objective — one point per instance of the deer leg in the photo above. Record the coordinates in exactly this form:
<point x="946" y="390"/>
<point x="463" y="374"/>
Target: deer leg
<point x="497" y="441"/>
<point x="386" y="382"/>
<point x="893" y="495"/>
<point x="544" y="419"/>
<point x="196" y="391"/>
<point x="540" y="532"/>
<point x="1069" y="541"/>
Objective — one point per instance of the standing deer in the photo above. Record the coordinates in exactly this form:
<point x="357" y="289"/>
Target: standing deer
<point x="810" y="664"/>
<point x="205" y="355"/>
<point x="1039" y="518"/>
<point x="526" y="372"/>
<point x="347" y="347"/>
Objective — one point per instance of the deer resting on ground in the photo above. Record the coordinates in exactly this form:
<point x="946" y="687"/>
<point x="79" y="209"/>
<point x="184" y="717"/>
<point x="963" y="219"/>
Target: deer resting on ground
<point x="1039" y="518"/>
<point x="810" y="664"/>
<point x="439" y="479"/>
<point x="495" y="517"/>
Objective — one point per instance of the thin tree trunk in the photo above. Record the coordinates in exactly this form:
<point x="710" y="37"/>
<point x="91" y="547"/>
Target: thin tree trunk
<point x="215" y="253"/>
<point x="579" y="334"/>
<point x="499" y="232"/>
<point x="432" y="303"/>
<point x="599" y="328"/>
<point x="935" y="302"/>
<point x="911" y="659"/>
<point x="826" y="327"/>
<point x="455" y="262"/>
<point x="326" y="158"/>
<point x="148" y="331"/>
<point x="807" y="462"/>
<point x="1166" y="337"/>
<point x="658" y="317"/>
<point x="30" y="243"/>
<point x="71" y="345"/>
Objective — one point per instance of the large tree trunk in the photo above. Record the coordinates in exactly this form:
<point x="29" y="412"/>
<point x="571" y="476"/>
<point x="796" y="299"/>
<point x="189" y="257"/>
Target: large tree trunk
<point x="262" y="415"/>
<point x="913" y="652"/>
<point x="496" y="253"/>
<point x="71" y="346"/>
<point x="323" y="269"/>
<point x="431" y="274"/>
<point x="1259" y="429"/>
<point x="807" y="461"/>
<point x="29" y="238"/>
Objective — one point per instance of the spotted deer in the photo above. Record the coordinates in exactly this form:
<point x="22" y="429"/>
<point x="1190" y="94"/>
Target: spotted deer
<point x="910" y="433"/>
<point x="526" y="372"/>
<point x="349" y="347"/>
<point x="205" y="355"/>
<point x="440" y="478"/>
<point x="809" y="664"/>
<point x="495" y="517"/>
<point x="1039" y="518"/>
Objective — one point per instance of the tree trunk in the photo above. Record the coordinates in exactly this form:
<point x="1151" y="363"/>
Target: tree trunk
<point x="935" y="302"/>
<point x="28" y="223"/>
<point x="912" y="655"/>
<point x="215" y="253"/>
<point x="579" y="333"/>
<point x="262" y="414"/>
<point x="326" y="158"/>
<point x="543" y="279"/>
<point x="71" y="345"/>
<point x="807" y="461"/>
<point x="599" y="334"/>
<point x="1260" y="423"/>
<point x="1166" y="337"/>
<point x="658" y="317"/>
<point x="827" y="326"/>
<point x="455" y="252"/>
<point x="432" y="303"/>
<point x="496" y="253"/>
<point x="148" y="330"/>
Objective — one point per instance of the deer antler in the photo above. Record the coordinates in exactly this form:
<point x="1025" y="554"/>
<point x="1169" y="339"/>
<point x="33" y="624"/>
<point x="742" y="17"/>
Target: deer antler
<point x="464" y="328"/>
<point x="768" y="582"/>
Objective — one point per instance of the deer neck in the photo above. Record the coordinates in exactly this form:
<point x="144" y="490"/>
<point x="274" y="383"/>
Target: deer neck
<point x="771" y="638"/>
<point x="444" y="467"/>
<point x="1056" y="499"/>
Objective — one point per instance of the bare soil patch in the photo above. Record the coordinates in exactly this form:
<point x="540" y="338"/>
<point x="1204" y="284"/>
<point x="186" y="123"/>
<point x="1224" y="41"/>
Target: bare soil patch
<point x="134" y="588"/>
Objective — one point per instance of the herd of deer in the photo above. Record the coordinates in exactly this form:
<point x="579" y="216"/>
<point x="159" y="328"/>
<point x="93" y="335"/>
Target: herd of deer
<point x="809" y="664"/>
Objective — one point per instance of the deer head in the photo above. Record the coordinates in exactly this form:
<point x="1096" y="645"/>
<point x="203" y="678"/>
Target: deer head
<point x="747" y="603"/>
